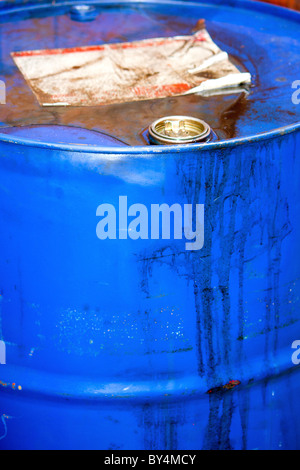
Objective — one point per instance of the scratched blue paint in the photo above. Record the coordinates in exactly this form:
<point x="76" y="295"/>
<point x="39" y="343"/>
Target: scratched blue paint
<point x="114" y="344"/>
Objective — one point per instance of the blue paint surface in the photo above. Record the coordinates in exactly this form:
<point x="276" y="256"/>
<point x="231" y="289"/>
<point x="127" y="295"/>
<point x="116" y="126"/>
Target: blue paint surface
<point x="115" y="344"/>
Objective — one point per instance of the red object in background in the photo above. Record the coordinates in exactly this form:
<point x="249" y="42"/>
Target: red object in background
<point x="293" y="4"/>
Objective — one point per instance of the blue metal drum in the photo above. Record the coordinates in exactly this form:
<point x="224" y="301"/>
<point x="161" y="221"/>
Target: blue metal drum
<point x="123" y="343"/>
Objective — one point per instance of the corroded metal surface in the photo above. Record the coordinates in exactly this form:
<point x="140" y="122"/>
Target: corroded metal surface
<point x="262" y="52"/>
<point x="293" y="4"/>
<point x="141" y="344"/>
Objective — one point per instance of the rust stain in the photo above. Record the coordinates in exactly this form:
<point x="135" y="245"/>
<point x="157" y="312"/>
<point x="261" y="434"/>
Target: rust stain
<point x="13" y="385"/>
<point x="293" y="4"/>
<point x="229" y="386"/>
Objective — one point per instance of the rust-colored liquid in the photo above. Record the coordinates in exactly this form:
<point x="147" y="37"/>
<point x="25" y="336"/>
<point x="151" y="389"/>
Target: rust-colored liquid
<point x="232" y="115"/>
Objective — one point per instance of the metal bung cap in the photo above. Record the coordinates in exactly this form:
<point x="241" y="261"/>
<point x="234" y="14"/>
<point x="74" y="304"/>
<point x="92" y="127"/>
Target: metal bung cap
<point x="179" y="130"/>
<point x="83" y="13"/>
